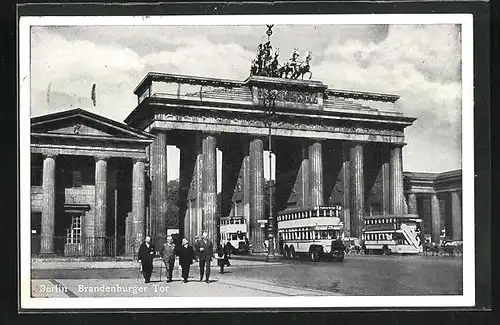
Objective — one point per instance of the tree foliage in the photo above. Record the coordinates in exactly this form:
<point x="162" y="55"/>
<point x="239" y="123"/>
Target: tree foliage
<point x="172" y="216"/>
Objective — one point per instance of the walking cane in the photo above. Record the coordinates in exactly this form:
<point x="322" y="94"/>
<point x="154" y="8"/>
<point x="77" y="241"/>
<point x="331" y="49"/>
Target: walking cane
<point x="161" y="267"/>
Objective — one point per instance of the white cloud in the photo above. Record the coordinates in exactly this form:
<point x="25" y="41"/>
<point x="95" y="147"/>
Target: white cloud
<point x="419" y="63"/>
<point x="203" y="58"/>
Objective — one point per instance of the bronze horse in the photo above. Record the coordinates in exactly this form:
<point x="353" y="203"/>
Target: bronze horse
<point x="303" y="68"/>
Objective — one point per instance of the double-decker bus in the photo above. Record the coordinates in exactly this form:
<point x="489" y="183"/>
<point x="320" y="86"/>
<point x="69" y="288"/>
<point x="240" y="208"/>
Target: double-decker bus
<point x="313" y="231"/>
<point x="233" y="229"/>
<point x="392" y="234"/>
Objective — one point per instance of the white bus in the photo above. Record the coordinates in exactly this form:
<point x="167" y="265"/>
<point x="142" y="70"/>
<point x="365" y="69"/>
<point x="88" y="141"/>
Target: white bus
<point x="387" y="234"/>
<point x="313" y="231"/>
<point x="233" y="229"/>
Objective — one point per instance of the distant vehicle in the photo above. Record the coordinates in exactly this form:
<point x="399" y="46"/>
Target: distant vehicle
<point x="315" y="232"/>
<point x="386" y="234"/>
<point x="233" y="229"/>
<point x="450" y="247"/>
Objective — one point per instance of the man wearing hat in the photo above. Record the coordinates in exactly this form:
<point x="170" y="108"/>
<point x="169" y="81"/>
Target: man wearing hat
<point x="186" y="256"/>
<point x="205" y="251"/>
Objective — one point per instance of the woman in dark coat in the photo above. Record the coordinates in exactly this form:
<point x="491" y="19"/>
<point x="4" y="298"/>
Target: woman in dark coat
<point x="186" y="257"/>
<point x="223" y="254"/>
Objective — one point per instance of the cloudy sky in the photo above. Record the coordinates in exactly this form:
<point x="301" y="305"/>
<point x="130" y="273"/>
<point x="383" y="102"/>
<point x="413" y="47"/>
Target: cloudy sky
<point x="420" y="63"/>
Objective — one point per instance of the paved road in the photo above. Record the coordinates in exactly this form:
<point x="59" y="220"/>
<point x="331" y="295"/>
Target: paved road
<point x="370" y="275"/>
<point x="358" y="275"/>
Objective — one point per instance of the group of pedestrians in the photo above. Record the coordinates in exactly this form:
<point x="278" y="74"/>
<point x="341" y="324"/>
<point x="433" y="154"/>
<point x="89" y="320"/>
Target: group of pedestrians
<point x="203" y="251"/>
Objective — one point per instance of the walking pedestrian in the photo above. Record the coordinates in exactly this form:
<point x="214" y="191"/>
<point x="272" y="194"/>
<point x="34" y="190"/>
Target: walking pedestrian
<point x="146" y="255"/>
<point x="223" y="253"/>
<point x="167" y="254"/>
<point x="205" y="250"/>
<point x="186" y="257"/>
<point x="196" y="242"/>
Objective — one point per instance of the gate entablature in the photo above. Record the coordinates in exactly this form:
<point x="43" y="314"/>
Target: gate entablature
<point x="304" y="108"/>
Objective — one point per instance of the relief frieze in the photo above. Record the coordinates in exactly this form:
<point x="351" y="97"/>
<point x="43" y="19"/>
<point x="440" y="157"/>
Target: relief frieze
<point x="291" y="124"/>
<point x="291" y="96"/>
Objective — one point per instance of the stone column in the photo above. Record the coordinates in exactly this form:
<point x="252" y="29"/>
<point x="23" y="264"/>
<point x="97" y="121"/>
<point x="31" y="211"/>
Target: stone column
<point x="48" y="205"/>
<point x="386" y="183"/>
<point x="305" y="174"/>
<point x="188" y="156"/>
<point x="188" y="226"/>
<point x="412" y="203"/>
<point x="158" y="188"/>
<point x="435" y="219"/>
<point x="246" y="186"/>
<point x="397" y="195"/>
<point x="357" y="190"/>
<point x="456" y="216"/>
<point x="346" y="188"/>
<point x="256" y="194"/>
<point x="100" y="205"/>
<point x="138" y="204"/>
<point x="316" y="173"/>
<point x="197" y="208"/>
<point x="210" y="218"/>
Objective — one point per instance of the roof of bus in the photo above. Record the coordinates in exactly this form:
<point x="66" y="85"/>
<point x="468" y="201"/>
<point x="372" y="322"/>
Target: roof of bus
<point x="304" y="209"/>
<point x="232" y="217"/>
<point x="399" y="216"/>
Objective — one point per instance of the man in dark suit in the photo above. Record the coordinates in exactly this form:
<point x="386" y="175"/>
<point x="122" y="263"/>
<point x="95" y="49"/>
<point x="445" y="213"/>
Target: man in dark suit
<point x="205" y="251"/>
<point x="146" y="255"/>
<point x="186" y="257"/>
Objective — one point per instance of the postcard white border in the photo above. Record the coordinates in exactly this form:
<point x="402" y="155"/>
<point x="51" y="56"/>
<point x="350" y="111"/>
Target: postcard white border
<point x="468" y="297"/>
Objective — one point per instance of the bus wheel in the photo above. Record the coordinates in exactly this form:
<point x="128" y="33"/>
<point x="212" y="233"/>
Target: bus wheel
<point x="286" y="254"/>
<point x="385" y="250"/>
<point x="292" y="253"/>
<point x="314" y="255"/>
<point x="341" y="258"/>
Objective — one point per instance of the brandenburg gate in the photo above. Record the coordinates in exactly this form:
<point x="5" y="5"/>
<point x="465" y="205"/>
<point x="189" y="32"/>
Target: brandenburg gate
<point x="331" y="146"/>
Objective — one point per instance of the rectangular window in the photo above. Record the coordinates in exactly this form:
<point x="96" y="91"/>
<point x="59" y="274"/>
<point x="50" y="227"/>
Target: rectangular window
<point x="36" y="175"/>
<point x="36" y="222"/>
<point x="74" y="231"/>
<point x="77" y="178"/>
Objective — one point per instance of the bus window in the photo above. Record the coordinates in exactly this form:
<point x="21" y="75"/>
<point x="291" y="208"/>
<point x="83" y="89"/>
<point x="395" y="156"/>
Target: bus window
<point x="241" y="236"/>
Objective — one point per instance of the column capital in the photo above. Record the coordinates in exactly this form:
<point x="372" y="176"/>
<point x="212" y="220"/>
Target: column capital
<point x="139" y="159"/>
<point x="49" y="155"/>
<point x="100" y="157"/>
<point x="397" y="145"/>
<point x="351" y="144"/>
<point x="155" y="131"/>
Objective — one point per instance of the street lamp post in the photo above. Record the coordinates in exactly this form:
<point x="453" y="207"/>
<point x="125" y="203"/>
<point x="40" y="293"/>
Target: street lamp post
<point x="270" y="105"/>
